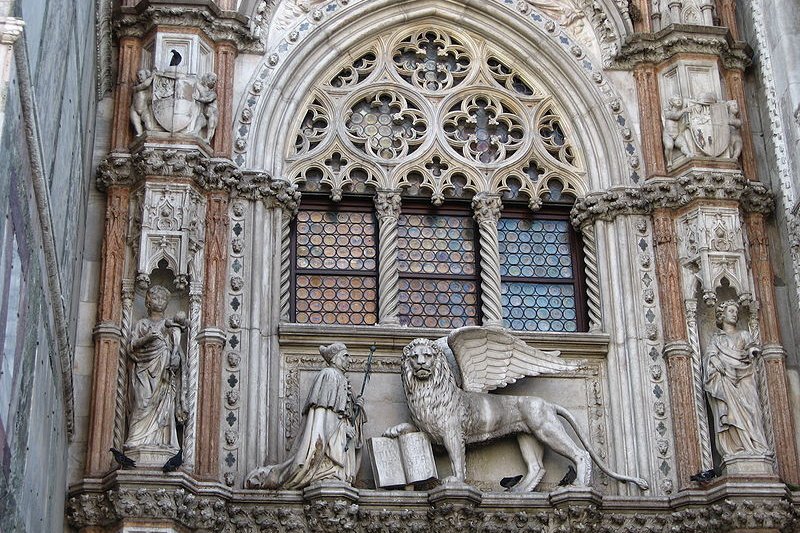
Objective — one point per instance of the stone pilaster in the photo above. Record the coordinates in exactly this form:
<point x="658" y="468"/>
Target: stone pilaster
<point x="726" y="9"/>
<point x="102" y="415"/>
<point x="650" y="111"/>
<point x="212" y="337"/>
<point x="387" y="205"/>
<point x="487" y="213"/>
<point x="773" y="354"/>
<point x="735" y="85"/>
<point x="677" y="351"/>
<point x="130" y="56"/>
<point x="224" y="65"/>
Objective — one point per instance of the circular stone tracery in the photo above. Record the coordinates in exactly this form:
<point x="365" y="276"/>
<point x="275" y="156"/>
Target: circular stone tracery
<point x="483" y="129"/>
<point x="386" y="125"/>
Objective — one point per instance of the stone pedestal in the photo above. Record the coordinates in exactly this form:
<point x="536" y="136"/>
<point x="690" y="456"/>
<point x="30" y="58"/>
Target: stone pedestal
<point x="748" y="465"/>
<point x="150" y="456"/>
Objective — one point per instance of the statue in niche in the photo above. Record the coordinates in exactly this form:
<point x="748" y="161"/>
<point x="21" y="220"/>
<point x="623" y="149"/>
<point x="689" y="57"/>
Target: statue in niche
<point x="454" y="415"/>
<point x="157" y="390"/>
<point x="735" y="124"/>
<point x="141" y="112"/>
<point x="330" y="445"/>
<point x="674" y="135"/>
<point x="729" y="377"/>
<point x="206" y="114"/>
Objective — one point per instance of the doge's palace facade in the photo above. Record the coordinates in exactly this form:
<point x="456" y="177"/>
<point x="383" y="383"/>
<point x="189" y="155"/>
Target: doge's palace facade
<point x="605" y="186"/>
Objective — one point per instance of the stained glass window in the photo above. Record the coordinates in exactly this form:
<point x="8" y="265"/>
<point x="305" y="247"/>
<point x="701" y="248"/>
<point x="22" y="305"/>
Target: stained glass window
<point x="539" y="270"/>
<point x="436" y="259"/>
<point x="335" y="277"/>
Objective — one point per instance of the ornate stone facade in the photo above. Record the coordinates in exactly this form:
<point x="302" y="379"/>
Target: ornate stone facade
<point x="588" y="175"/>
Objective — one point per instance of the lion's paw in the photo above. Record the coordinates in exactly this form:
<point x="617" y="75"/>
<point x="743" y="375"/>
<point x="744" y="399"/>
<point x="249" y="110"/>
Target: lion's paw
<point x="400" y="429"/>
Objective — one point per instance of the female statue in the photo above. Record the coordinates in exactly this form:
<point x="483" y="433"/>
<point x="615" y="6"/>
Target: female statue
<point x="730" y="383"/>
<point x="329" y="447"/>
<point x="156" y="388"/>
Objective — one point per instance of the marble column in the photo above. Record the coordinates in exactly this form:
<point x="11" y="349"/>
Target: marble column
<point x="677" y="351"/>
<point x="107" y="335"/>
<point x="487" y="213"/>
<point x="387" y="205"/>
<point x="212" y="337"/>
<point x="650" y="111"/>
<point x="777" y="394"/>
<point x="727" y="16"/>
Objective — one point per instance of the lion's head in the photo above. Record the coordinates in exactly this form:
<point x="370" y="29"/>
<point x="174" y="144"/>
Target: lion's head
<point x="429" y="383"/>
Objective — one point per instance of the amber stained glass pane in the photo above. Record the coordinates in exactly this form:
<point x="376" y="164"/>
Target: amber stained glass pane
<point x="335" y="300"/>
<point x="436" y="303"/>
<point x="335" y="241"/>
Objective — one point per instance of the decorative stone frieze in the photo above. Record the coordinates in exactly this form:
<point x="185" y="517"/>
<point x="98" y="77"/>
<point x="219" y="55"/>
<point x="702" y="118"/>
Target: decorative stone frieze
<point x="260" y="186"/>
<point x="682" y="39"/>
<point x="187" y="504"/>
<point x="673" y="193"/>
<point x="218" y="25"/>
<point x="209" y="173"/>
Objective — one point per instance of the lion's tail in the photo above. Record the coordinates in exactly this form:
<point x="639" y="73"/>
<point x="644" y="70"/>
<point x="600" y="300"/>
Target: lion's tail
<point x="566" y="415"/>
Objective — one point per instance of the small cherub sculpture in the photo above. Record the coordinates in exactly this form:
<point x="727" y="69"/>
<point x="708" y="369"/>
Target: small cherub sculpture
<point x="207" y="113"/>
<point x="674" y="129"/>
<point x="141" y="112"/>
<point x="735" y="124"/>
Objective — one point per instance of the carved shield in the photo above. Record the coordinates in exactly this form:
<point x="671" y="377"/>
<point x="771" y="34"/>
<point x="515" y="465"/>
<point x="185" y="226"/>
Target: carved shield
<point x="173" y="101"/>
<point x="709" y="126"/>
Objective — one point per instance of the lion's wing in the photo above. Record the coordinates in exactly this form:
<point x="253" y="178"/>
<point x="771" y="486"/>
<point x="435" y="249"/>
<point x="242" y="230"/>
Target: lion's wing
<point x="490" y="358"/>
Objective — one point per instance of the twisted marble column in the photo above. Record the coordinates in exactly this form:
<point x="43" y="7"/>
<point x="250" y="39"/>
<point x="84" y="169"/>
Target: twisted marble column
<point x="387" y="206"/>
<point x="487" y="213"/>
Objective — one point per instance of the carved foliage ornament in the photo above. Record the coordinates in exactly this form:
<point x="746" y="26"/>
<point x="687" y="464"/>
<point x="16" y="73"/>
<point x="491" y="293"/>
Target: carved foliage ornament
<point x="434" y="112"/>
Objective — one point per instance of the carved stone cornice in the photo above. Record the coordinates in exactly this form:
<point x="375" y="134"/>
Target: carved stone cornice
<point x="10" y="29"/>
<point x="209" y="173"/>
<point x="257" y="185"/>
<point x="217" y="24"/>
<point x="673" y="193"/>
<point x="676" y="39"/>
<point x="189" y="504"/>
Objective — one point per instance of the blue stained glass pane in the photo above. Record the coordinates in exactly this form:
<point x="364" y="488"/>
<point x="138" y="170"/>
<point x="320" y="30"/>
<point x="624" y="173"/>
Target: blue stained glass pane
<point x="552" y="310"/>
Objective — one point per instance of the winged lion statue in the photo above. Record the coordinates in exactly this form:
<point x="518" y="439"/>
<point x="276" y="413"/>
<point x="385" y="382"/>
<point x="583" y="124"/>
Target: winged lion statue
<point x="454" y="414"/>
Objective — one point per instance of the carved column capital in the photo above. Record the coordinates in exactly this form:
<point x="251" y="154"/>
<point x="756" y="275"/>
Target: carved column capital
<point x="487" y="208"/>
<point x="10" y="29"/>
<point x="258" y="185"/>
<point x="387" y="204"/>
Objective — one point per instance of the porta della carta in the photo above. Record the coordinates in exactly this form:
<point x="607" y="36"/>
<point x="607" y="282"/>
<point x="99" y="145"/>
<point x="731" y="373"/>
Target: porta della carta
<point x="399" y="265"/>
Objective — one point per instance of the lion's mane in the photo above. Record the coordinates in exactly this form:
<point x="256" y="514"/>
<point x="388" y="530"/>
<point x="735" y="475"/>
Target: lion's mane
<point x="434" y="400"/>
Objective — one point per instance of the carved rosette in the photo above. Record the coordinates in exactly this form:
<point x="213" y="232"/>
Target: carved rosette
<point x="487" y="213"/>
<point x="387" y="206"/>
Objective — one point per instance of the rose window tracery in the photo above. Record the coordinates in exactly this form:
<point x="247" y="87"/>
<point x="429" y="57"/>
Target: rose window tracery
<point x="385" y="125"/>
<point x="431" y="60"/>
<point x="483" y="129"/>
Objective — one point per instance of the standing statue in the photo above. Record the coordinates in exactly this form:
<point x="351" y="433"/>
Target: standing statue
<point x="735" y="124"/>
<point x="454" y="416"/>
<point x="674" y="135"/>
<point x="141" y="113"/>
<point x="207" y="113"/>
<point x="330" y="445"/>
<point x="730" y="383"/>
<point x="157" y="392"/>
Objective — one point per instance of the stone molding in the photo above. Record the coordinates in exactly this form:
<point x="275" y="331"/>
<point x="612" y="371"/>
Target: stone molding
<point x="217" y="24"/>
<point x="673" y="193"/>
<point x="677" y="39"/>
<point x="208" y="173"/>
<point x="10" y="29"/>
<point x="182" y="502"/>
